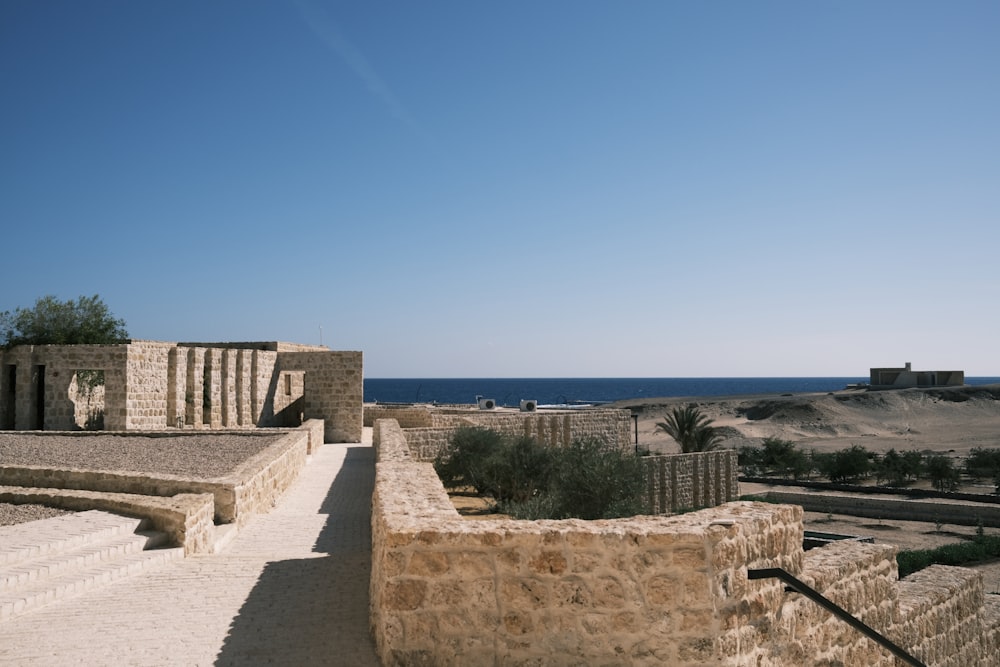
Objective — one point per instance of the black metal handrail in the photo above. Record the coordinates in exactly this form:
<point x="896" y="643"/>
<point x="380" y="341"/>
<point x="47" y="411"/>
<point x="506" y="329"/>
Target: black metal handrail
<point x="833" y="608"/>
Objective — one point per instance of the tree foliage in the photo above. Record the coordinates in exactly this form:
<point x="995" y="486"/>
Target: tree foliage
<point x="87" y="320"/>
<point x="692" y="430"/>
<point x="586" y="479"/>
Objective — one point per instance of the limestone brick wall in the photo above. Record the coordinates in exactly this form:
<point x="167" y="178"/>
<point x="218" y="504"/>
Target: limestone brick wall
<point x="643" y="591"/>
<point x="940" y="610"/>
<point x="405" y="416"/>
<point x="684" y="481"/>
<point x="882" y="508"/>
<point x="151" y="385"/>
<point x="43" y="381"/>
<point x="146" y="378"/>
<point x="186" y="518"/>
<point x="253" y="488"/>
<point x="334" y="390"/>
<point x="258" y="483"/>
<point x="554" y="428"/>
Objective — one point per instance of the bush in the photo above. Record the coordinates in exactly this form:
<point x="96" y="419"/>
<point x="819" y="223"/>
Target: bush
<point x="464" y="461"/>
<point x="776" y="457"/>
<point x="942" y="472"/>
<point x="982" y="547"/>
<point x="593" y="481"/>
<point x="586" y="480"/>
<point x="505" y="468"/>
<point x="845" y="465"/>
<point x="983" y="463"/>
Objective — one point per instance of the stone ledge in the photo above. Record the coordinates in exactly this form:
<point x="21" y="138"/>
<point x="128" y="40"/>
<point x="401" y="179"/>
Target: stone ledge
<point x="186" y="517"/>
<point x="252" y="488"/>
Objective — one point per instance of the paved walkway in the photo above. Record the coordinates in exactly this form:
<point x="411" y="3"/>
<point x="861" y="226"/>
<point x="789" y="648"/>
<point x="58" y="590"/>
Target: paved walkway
<point x="290" y="589"/>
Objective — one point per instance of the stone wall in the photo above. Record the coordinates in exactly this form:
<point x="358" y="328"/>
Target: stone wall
<point x="684" y="481"/>
<point x="333" y="390"/>
<point x="429" y="428"/>
<point x="186" y="518"/>
<point x="410" y="416"/>
<point x="642" y="591"/>
<point x="152" y="385"/>
<point x="252" y="488"/>
<point x="962" y="514"/>
<point x="35" y="385"/>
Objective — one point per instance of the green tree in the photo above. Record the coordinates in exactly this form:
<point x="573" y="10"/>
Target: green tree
<point x="590" y="480"/>
<point x="692" y="430"/>
<point x="943" y="473"/>
<point x="846" y="465"/>
<point x="87" y="320"/>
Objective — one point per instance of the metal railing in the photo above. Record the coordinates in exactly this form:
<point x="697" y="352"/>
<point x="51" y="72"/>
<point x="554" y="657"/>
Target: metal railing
<point x="801" y="587"/>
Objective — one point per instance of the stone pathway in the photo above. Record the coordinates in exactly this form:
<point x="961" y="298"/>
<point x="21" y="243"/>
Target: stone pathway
<point x="290" y="589"/>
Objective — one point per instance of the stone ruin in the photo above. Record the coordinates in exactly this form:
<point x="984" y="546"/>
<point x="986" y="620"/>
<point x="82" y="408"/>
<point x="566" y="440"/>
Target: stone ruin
<point x="152" y="385"/>
<point x="674" y="590"/>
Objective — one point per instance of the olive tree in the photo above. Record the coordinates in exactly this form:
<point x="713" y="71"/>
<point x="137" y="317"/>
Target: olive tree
<point x="87" y="320"/>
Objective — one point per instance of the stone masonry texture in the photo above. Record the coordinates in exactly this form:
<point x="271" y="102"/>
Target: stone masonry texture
<point x="643" y="591"/>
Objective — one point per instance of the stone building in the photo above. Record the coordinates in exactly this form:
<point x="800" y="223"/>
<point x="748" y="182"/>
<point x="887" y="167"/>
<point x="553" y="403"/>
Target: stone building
<point x="152" y="385"/>
<point x="906" y="377"/>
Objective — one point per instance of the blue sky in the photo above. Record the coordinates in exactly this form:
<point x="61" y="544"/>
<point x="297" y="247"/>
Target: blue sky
<point x="516" y="189"/>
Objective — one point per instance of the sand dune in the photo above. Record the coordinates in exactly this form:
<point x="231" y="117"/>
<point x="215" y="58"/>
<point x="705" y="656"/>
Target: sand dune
<point x="940" y="419"/>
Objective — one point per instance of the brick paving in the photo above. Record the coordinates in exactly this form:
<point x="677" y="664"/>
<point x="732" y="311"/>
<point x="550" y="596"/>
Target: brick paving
<point x="290" y="589"/>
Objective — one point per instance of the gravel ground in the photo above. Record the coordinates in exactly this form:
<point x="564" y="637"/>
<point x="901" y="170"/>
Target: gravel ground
<point x="11" y="514"/>
<point x="199" y="455"/>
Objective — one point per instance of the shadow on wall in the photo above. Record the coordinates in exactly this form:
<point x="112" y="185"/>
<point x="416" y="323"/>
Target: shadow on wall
<point x="314" y="611"/>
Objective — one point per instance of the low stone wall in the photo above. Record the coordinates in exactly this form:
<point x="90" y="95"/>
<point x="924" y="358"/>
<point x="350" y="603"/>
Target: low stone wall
<point x="642" y="591"/>
<point x="429" y="428"/>
<point x="186" y="518"/>
<point x="315" y="429"/>
<point x="940" y="610"/>
<point x="961" y="514"/>
<point x="410" y="416"/>
<point x="253" y="488"/>
<point x="677" y="482"/>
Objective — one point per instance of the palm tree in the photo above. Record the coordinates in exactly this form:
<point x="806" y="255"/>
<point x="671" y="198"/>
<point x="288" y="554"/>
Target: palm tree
<point x="692" y="430"/>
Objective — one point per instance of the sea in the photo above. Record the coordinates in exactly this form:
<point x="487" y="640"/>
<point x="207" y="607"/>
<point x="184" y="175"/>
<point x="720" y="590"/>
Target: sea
<point x="594" y="391"/>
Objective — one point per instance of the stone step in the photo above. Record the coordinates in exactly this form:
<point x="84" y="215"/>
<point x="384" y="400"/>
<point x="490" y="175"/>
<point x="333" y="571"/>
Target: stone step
<point x="52" y="559"/>
<point x="55" y="563"/>
<point x="49" y="589"/>
<point x="27" y="541"/>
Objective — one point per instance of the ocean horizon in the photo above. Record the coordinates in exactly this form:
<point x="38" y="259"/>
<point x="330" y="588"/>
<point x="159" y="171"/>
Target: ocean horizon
<point x="563" y="391"/>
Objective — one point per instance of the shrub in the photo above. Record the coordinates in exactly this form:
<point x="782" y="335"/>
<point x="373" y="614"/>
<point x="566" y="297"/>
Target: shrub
<point x="942" y="472"/>
<point x="983" y="463"/>
<point x="982" y="547"/>
<point x="508" y="469"/>
<point x="586" y="480"/>
<point x="594" y="481"/>
<point x="464" y="460"/>
<point x="846" y="465"/>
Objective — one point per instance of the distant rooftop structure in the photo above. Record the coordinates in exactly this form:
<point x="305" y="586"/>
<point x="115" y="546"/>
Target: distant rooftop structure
<point x="906" y="377"/>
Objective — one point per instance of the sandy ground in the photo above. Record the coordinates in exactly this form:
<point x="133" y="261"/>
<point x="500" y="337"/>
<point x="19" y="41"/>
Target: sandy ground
<point x="947" y="420"/>
<point x="951" y="420"/>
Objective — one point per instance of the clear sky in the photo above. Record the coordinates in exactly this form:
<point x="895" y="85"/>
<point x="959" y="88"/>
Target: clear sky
<point x="516" y="189"/>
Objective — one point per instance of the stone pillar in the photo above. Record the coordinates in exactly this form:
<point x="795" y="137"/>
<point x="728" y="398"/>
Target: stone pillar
<point x="228" y="388"/>
<point x="244" y="387"/>
<point x="195" y="391"/>
<point x="213" y="387"/>
<point x="177" y="388"/>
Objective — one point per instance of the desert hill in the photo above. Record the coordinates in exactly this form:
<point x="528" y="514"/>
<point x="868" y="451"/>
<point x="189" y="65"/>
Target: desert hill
<point x="940" y="419"/>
